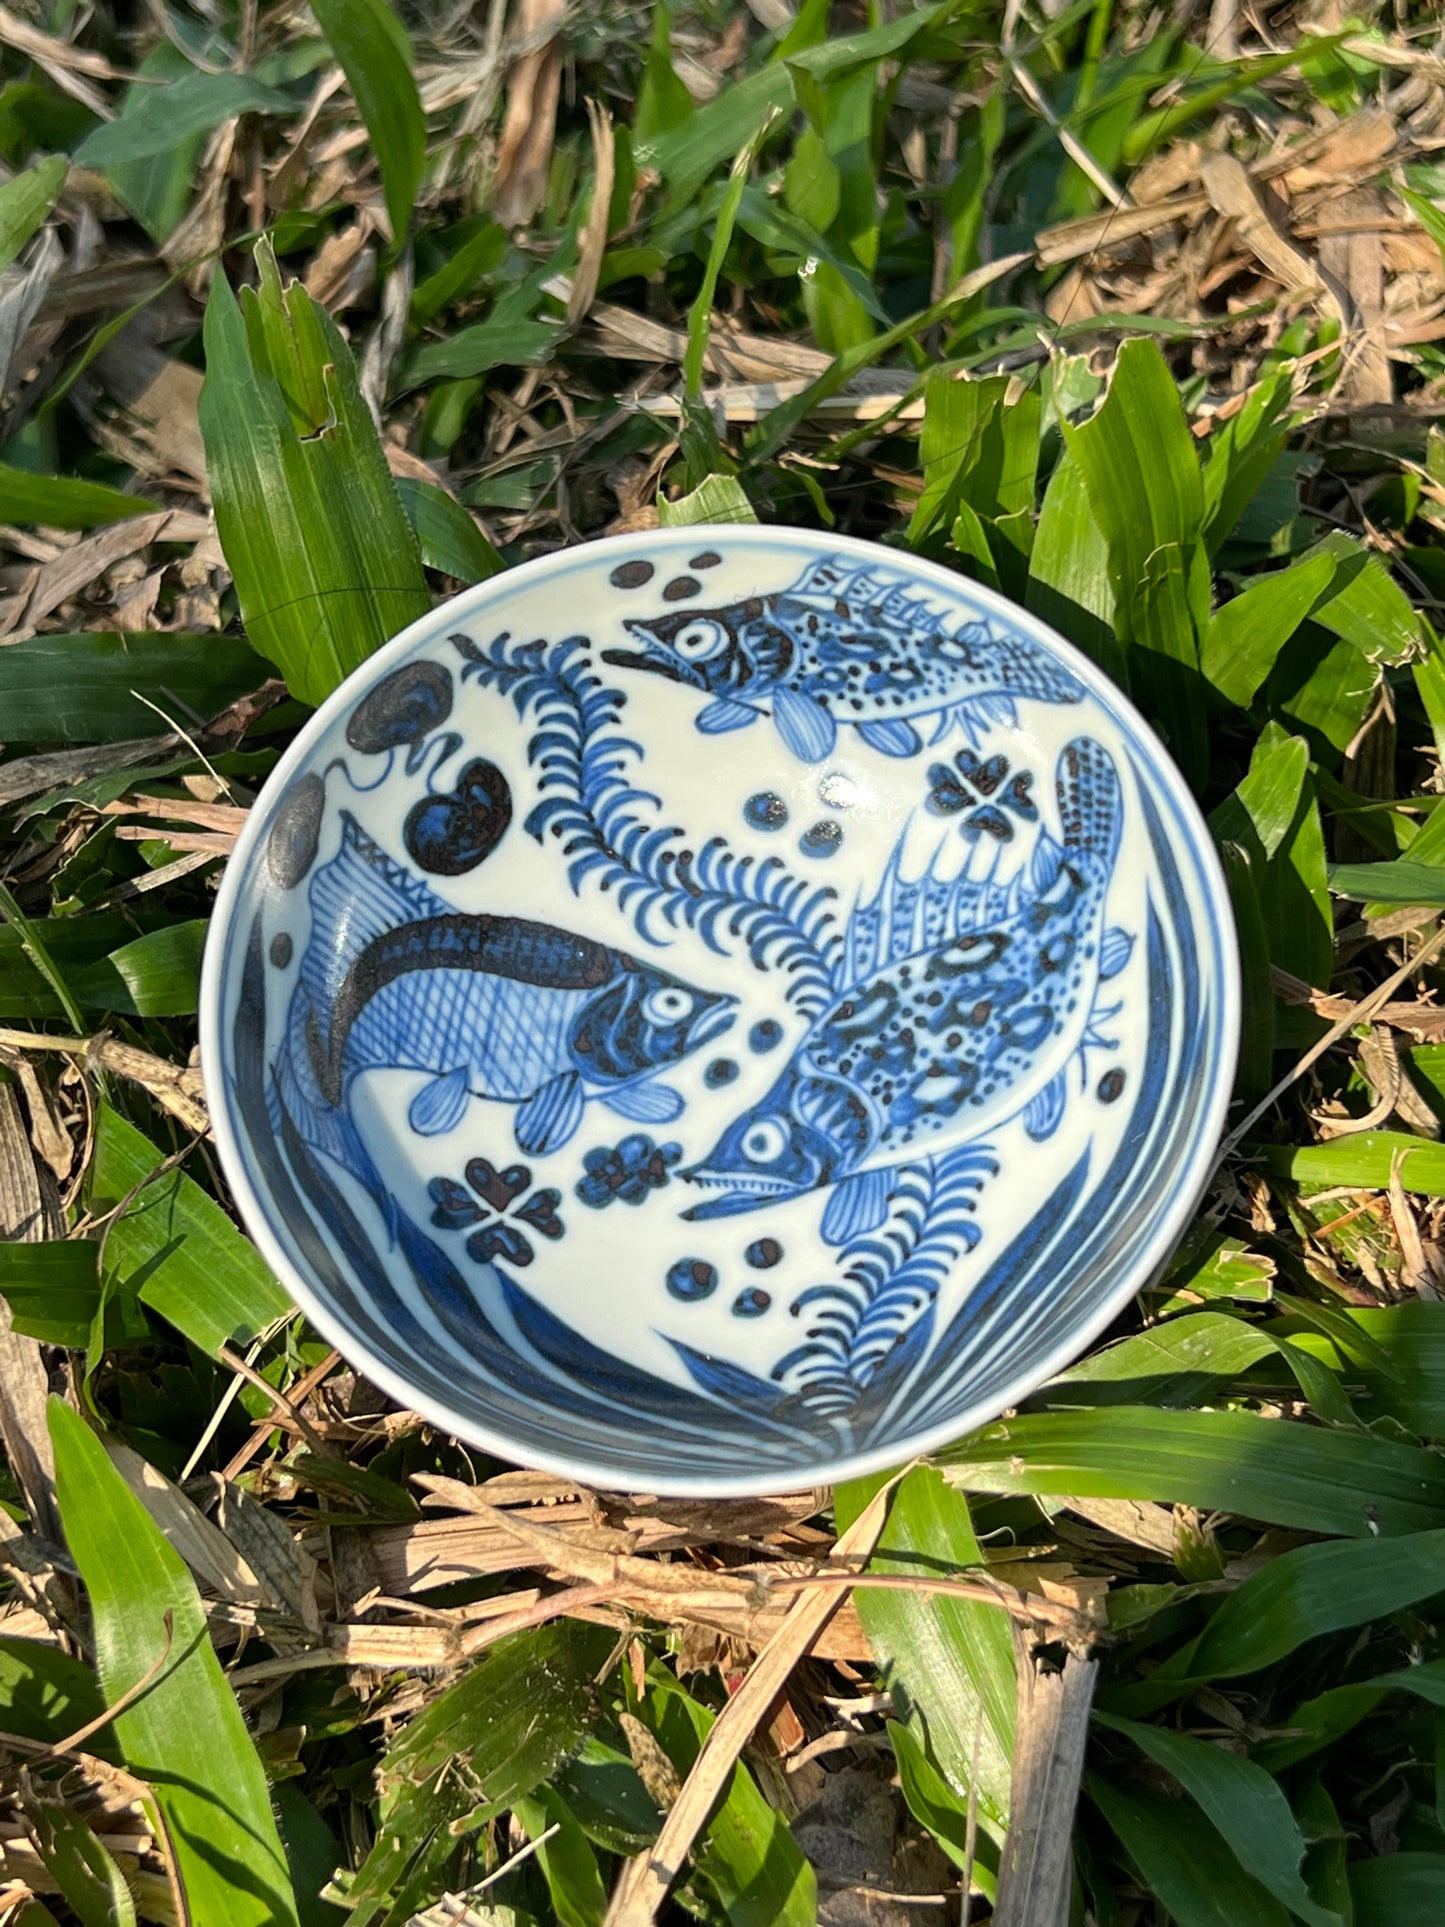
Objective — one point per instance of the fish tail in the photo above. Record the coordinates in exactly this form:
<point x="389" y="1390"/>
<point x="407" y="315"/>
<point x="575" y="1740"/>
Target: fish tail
<point x="1025" y="670"/>
<point x="1090" y="801"/>
<point x="361" y="894"/>
<point x="326" y="1127"/>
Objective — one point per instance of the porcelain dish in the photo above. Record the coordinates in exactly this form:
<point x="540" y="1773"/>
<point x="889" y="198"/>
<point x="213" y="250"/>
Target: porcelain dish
<point x="719" y="1009"/>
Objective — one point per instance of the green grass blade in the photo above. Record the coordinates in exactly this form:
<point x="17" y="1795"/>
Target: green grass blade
<point x="1140" y="471"/>
<point x="1365" y="605"/>
<point x="748" y="1855"/>
<point x="568" y="1863"/>
<point x="25" y="202"/>
<point x="1301" y="1595"/>
<point x="1366" y="1159"/>
<point x="1183" y="1861"/>
<point x="1069" y="572"/>
<point x="325" y="562"/>
<point x="719" y="498"/>
<point x="1243" y="451"/>
<point x="1405" y="881"/>
<point x="450" y="540"/>
<point x="184" y="1733"/>
<point x="1326" y="1718"/>
<point x="164" y="116"/>
<point x="37" y="950"/>
<point x="1239" y="647"/>
<point x="489" y="1740"/>
<point x="157" y="975"/>
<point x="53" y="1291"/>
<point x="87" y="688"/>
<point x="373" y="51"/>
<point x="1256" y="1034"/>
<point x="1285" y="1475"/>
<point x="46" y="1695"/>
<point x="949" y="1662"/>
<point x="1246" y="1806"/>
<point x="176" y="1246"/>
<point x="63" y="501"/>
<point x="1398" y="1889"/>
<point x="90" y="1882"/>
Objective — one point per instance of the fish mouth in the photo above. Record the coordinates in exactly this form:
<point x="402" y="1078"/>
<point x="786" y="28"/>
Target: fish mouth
<point x="713" y="1023"/>
<point x="651" y="656"/>
<point x="759" y="1191"/>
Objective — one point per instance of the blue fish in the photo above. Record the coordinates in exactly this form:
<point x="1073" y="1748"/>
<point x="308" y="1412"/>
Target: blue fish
<point x="492" y="1007"/>
<point x="960" y="1005"/>
<point x="845" y="645"/>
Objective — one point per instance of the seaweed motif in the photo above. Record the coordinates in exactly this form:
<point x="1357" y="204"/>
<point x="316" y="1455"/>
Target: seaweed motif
<point x="590" y="804"/>
<point x="889" y="1281"/>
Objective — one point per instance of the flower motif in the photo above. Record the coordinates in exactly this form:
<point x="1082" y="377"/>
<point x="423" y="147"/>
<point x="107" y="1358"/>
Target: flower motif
<point x="488" y="1200"/>
<point x="972" y="785"/>
<point x="629" y="1172"/>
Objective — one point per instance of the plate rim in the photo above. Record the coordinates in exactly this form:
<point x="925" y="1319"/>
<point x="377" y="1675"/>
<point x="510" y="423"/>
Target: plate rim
<point x="1189" y="1185"/>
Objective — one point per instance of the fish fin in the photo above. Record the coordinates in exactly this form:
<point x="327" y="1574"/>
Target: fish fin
<point x="360" y="895"/>
<point x="826" y="579"/>
<point x="976" y="715"/>
<point x="550" y="1115"/>
<point x="805" y="726"/>
<point x="1043" y="1114"/>
<point x="1044" y="864"/>
<point x="645" y="1103"/>
<point x="440" y="1103"/>
<point x="1114" y="952"/>
<point x="721" y="716"/>
<point x="1091" y="807"/>
<point x="910" y="914"/>
<point x="856" y="1206"/>
<point x="891" y="737"/>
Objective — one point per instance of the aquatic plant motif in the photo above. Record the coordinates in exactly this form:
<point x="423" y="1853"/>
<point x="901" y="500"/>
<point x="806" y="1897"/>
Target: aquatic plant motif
<point x="594" y="811"/>
<point x="488" y="1199"/>
<point x="887" y="1282"/>
<point x="627" y="1172"/>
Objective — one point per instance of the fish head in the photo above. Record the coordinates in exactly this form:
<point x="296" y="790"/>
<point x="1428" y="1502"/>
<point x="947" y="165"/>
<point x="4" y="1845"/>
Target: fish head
<point x="808" y="1131"/>
<point x="644" y="1019"/>
<point x="719" y="651"/>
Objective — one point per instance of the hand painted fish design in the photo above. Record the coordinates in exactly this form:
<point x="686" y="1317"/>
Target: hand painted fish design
<point x="844" y="647"/>
<point x="960" y="1005"/>
<point x="490" y="1007"/>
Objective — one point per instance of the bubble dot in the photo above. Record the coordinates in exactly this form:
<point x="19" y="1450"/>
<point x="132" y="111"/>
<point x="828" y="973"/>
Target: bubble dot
<point x="296" y="831"/>
<point x="763" y="1253"/>
<point x="680" y="588"/>
<point x="631" y="575"/>
<point x="822" y="840"/>
<point x="281" y="948"/>
<point x="722" y="1070"/>
<point x="709" y="559"/>
<point x="766" y="1035"/>
<point x="765" y="811"/>
<point x="691" y="1279"/>
<point x="1111" y="1086"/>
<point x="751" y="1303"/>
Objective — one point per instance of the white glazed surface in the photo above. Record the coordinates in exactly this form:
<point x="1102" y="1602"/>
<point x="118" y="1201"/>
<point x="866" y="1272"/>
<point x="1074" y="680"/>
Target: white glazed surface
<point x="548" y="1306"/>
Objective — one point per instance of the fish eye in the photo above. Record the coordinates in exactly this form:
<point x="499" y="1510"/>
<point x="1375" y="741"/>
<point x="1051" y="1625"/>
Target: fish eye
<point x="765" y="1141"/>
<point x="670" y="1006"/>
<point x="700" y="640"/>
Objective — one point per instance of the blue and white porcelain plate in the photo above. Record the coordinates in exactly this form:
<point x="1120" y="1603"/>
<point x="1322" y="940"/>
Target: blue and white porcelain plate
<point x="718" y="1010"/>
